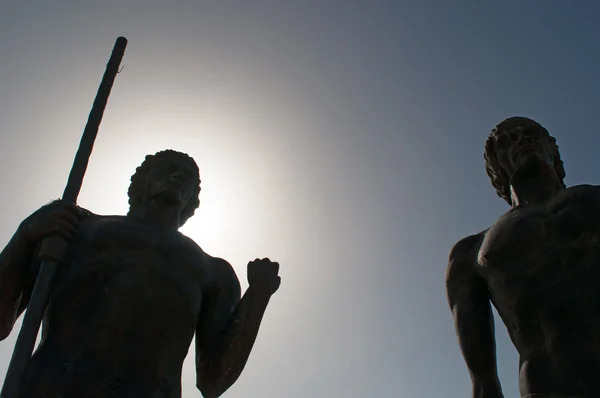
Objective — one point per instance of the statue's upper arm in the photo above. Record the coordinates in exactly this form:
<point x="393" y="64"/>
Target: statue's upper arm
<point x="218" y="303"/>
<point x="462" y="280"/>
<point x="469" y="299"/>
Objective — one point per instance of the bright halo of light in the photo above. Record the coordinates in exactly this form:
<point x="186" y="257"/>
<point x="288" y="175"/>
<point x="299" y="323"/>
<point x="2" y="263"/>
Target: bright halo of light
<point x="222" y="214"/>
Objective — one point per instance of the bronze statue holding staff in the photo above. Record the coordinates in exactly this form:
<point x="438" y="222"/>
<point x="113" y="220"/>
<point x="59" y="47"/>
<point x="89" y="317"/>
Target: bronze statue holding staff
<point x="130" y="294"/>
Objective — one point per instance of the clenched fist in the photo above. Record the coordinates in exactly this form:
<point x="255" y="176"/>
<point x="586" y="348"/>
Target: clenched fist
<point x="56" y="218"/>
<point x="263" y="275"/>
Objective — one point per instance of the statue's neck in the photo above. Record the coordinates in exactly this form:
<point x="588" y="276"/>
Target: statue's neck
<point x="161" y="216"/>
<point x="534" y="184"/>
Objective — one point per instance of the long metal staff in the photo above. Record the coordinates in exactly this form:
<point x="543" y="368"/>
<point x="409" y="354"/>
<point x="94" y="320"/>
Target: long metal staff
<point x="54" y="247"/>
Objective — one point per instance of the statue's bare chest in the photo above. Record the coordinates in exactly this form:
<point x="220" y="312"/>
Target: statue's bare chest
<point x="113" y="259"/>
<point x="119" y="241"/>
<point x="98" y="235"/>
<point x="553" y="233"/>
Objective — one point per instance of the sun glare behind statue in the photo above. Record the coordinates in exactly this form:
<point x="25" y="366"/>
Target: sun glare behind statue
<point x="231" y="200"/>
<point x="223" y="212"/>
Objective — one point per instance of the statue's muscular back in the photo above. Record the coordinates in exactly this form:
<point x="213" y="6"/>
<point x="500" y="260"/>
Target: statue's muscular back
<point x="541" y="263"/>
<point x="123" y="312"/>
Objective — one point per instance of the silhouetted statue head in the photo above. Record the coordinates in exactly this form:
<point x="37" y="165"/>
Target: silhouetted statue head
<point x="161" y="174"/>
<point x="514" y="142"/>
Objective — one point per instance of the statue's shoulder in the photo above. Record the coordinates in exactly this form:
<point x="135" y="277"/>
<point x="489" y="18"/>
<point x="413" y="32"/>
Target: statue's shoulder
<point x="223" y="269"/>
<point x="584" y="189"/>
<point x="89" y="215"/>
<point x="92" y="222"/>
<point x="462" y="260"/>
<point x="223" y="281"/>
<point x="577" y="190"/>
<point x="467" y="246"/>
<point x="219" y="268"/>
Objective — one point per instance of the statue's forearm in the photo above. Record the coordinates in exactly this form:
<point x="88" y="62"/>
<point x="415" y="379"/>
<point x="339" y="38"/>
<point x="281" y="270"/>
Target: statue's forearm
<point x="15" y="260"/>
<point x="489" y="390"/>
<point x="237" y="340"/>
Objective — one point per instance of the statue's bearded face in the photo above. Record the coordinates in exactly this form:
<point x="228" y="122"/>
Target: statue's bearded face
<point x="524" y="147"/>
<point x="171" y="181"/>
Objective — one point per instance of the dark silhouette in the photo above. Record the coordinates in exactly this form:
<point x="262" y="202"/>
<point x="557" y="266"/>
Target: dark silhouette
<point x="539" y="265"/>
<point x="130" y="294"/>
<point x="52" y="248"/>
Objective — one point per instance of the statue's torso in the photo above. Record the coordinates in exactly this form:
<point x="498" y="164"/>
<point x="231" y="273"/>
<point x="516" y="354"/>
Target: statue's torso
<point x="123" y="311"/>
<point x="542" y="265"/>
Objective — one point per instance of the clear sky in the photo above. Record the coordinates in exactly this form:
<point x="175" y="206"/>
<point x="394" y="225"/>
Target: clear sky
<point x="343" y="140"/>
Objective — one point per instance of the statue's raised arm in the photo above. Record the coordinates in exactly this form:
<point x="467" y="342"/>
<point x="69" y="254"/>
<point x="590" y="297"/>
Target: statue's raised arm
<point x="228" y="327"/>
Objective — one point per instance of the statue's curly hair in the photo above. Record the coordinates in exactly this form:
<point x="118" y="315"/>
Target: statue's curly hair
<point x="138" y="182"/>
<point x="500" y="180"/>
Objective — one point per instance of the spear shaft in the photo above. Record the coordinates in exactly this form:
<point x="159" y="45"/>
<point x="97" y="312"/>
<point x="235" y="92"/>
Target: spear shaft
<point x="54" y="247"/>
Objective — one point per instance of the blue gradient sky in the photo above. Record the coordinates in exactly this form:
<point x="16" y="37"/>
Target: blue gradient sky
<point x="343" y="140"/>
